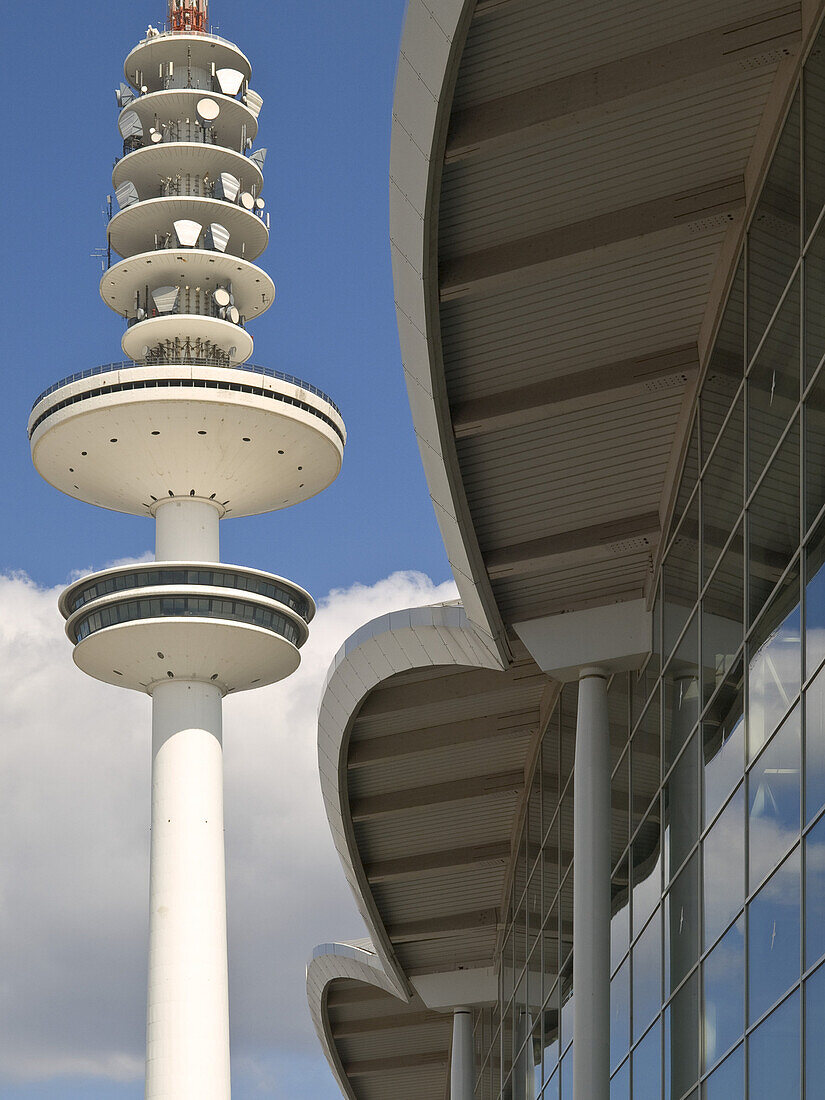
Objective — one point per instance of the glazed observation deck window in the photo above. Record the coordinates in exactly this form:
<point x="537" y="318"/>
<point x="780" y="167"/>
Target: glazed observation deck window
<point x="188" y="606"/>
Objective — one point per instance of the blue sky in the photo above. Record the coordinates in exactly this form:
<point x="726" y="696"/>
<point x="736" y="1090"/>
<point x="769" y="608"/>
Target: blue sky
<point x="326" y="70"/>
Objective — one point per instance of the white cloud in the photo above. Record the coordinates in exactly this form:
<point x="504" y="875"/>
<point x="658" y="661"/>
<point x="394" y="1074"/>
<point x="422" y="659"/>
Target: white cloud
<point x="74" y="822"/>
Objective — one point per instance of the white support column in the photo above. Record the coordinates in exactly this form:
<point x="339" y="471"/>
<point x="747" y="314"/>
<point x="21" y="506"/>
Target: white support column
<point x="462" y="1071"/>
<point x="591" y="891"/>
<point x="187" y="530"/>
<point x="187" y="1031"/>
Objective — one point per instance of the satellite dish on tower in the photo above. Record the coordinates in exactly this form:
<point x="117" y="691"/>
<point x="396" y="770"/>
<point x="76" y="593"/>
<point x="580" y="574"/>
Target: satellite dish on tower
<point x="247" y="201"/>
<point x="253" y="101"/>
<point x="124" y="95"/>
<point x="130" y="125"/>
<point x="165" y="298"/>
<point x="227" y="187"/>
<point x="221" y="297"/>
<point x="217" y="237"/>
<point x="187" y="232"/>
<point x="229" y="81"/>
<point x="126" y="194"/>
<point x="233" y="315"/>
<point x="207" y="111"/>
<point x="258" y="158"/>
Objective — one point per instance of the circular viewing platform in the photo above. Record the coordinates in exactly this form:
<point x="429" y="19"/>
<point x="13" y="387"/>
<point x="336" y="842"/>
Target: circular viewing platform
<point x="137" y="228"/>
<point x="136" y="626"/>
<point x="127" y="435"/>
<point x="202" y="50"/>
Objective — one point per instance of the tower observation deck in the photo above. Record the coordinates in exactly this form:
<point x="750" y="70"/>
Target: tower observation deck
<point x="186" y="432"/>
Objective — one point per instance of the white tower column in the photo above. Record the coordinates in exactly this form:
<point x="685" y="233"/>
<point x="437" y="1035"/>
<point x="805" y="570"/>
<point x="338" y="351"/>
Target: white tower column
<point x="187" y="1034"/>
<point x="591" y="891"/>
<point x="462" y="1074"/>
<point x="187" y="529"/>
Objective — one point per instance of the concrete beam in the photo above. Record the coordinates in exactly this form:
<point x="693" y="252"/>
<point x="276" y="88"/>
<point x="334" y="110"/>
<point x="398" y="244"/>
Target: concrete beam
<point x="445" y="686"/>
<point x="346" y="1029"/>
<point x="411" y="868"/>
<point x="587" y="544"/>
<point x="528" y="116"/>
<point x="447" y="989"/>
<point x="375" y="750"/>
<point x="439" y="928"/>
<point x="514" y="408"/>
<point x="371" y="1066"/>
<point x="436" y="794"/>
<point x="709" y="208"/>
<point x="614" y="636"/>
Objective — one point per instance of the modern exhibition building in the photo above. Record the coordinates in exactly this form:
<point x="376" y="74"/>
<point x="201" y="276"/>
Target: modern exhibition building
<point x="582" y="812"/>
<point x="186" y="432"/>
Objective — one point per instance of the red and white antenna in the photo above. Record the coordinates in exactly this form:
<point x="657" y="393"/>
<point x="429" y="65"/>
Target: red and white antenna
<point x="188" y="16"/>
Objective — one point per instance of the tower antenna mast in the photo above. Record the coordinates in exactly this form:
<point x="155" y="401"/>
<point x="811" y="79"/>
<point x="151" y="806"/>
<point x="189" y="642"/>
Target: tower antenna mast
<point x="188" y="16"/>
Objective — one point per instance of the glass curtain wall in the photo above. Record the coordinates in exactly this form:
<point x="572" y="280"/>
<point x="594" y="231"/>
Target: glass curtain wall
<point x="718" y="744"/>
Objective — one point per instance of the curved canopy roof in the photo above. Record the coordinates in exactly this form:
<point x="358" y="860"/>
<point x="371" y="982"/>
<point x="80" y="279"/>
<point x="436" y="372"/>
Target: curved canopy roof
<point x="569" y="189"/>
<point x="570" y="184"/>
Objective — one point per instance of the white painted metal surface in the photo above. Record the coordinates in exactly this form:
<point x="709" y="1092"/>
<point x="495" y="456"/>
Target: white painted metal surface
<point x="187" y="1029"/>
<point x="462" y="1068"/>
<point x="187" y="530"/>
<point x="591" y="891"/>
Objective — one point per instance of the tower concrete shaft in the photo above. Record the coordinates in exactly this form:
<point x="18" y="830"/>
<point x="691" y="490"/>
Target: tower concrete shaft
<point x="186" y="432"/>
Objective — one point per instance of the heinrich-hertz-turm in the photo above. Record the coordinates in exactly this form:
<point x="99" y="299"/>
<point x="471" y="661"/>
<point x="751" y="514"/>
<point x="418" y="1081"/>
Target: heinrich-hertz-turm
<point x="186" y="432"/>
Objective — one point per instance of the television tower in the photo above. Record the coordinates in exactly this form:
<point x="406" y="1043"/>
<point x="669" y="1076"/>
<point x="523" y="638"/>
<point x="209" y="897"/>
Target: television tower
<point x="186" y="432"/>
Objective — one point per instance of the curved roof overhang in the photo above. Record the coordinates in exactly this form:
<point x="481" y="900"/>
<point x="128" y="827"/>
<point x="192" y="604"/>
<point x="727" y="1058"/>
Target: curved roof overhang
<point x="426" y="746"/>
<point x="569" y="193"/>
<point x="376" y="1044"/>
<point x="420" y="786"/>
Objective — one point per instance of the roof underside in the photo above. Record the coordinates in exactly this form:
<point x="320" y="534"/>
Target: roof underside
<point x="388" y="1048"/>
<point x="595" y="183"/>
<point x="435" y="774"/>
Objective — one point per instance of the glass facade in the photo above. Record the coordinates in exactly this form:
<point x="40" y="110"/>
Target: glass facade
<point x="718" y="744"/>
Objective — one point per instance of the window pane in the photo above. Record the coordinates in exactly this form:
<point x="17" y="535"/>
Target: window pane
<point x="620" y="1015"/>
<point x="724" y="867"/>
<point x="774" y="673"/>
<point x="815" y="746"/>
<point x="773" y="938"/>
<point x="815" y="600"/>
<point x="815" y="893"/>
<point x="682" y="807"/>
<point x="773" y="1054"/>
<point x="814" y="1030"/>
<point x="773" y="525"/>
<point x="620" y="921"/>
<point x="681" y="577"/>
<point x="647" y="1066"/>
<point x="773" y="385"/>
<point x="647" y="975"/>
<point x="723" y="616"/>
<point x="620" y="1085"/>
<point x="773" y="240"/>
<point x="728" y="1081"/>
<point x="726" y="367"/>
<point x="646" y="871"/>
<point x="724" y="987"/>
<point x="814" y="86"/>
<point x="682" y="1065"/>
<point x="682" y="925"/>
<point x="773" y="799"/>
<point x="723" y="733"/>
<point x="723" y="487"/>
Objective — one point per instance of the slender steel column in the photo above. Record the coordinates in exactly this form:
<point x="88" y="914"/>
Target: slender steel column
<point x="462" y="1071"/>
<point x="591" y="891"/>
